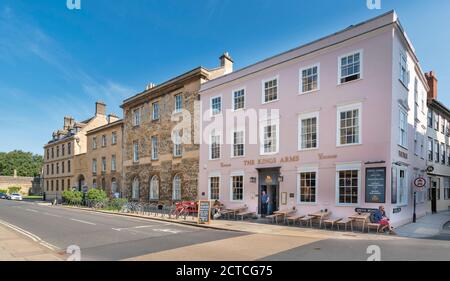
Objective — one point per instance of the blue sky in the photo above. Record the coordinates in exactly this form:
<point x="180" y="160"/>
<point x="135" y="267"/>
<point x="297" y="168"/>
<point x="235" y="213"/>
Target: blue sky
<point x="56" y="62"/>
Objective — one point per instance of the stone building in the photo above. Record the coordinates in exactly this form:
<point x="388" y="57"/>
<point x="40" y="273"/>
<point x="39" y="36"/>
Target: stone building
<point x="104" y="156"/>
<point x="64" y="155"/>
<point x="155" y="169"/>
<point x="25" y="183"/>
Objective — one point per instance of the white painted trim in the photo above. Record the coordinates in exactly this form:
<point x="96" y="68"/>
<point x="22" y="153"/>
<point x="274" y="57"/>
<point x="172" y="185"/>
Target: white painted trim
<point x="299" y="131"/>
<point x="232" y="142"/>
<point x="307" y="169"/>
<point x="361" y="65"/>
<point x="211" y="107"/>
<point x="210" y="144"/>
<point x="348" y="107"/>
<point x="245" y="98"/>
<point x="300" y="89"/>
<point x="214" y="175"/>
<point x="263" y="92"/>
<point x="237" y="173"/>
<point x="348" y="166"/>
<point x="262" y="124"/>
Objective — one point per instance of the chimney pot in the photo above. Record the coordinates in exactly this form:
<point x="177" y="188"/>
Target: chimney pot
<point x="100" y="108"/>
<point x="433" y="85"/>
<point x="226" y="62"/>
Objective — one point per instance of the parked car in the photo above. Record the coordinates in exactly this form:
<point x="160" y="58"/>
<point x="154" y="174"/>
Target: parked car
<point x="3" y="195"/>
<point x="16" y="197"/>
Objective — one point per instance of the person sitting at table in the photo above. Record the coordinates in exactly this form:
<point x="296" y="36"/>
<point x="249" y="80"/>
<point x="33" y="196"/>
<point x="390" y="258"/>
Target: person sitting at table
<point x="216" y="208"/>
<point x="381" y="218"/>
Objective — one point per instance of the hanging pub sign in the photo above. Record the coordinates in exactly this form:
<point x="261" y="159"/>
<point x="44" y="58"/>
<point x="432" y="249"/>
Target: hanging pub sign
<point x="376" y="185"/>
<point x="204" y="212"/>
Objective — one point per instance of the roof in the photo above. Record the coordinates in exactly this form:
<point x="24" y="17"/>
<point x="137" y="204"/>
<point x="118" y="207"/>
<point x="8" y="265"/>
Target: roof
<point x="384" y="20"/>
<point x="440" y="106"/>
<point x="104" y="127"/>
<point x="164" y="86"/>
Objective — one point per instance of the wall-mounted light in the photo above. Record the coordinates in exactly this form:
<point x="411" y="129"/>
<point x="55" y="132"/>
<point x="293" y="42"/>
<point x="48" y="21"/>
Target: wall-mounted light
<point x="253" y="179"/>
<point x="280" y="178"/>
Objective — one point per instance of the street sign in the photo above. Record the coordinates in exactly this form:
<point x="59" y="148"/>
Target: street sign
<point x="420" y="183"/>
<point x="430" y="169"/>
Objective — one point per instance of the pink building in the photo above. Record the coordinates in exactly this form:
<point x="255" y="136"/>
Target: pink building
<point x="350" y="130"/>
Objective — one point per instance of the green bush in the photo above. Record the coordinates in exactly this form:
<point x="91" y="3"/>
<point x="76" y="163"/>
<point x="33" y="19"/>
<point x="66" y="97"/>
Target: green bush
<point x="96" y="195"/>
<point x="116" y="204"/>
<point x="72" y="197"/>
<point x="14" y="189"/>
<point x="3" y="191"/>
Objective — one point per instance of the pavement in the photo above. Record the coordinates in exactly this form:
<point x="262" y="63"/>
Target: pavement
<point x="430" y="226"/>
<point x="105" y="236"/>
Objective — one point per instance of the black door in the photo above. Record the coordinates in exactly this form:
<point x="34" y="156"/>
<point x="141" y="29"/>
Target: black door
<point x="273" y="198"/>
<point x="433" y="200"/>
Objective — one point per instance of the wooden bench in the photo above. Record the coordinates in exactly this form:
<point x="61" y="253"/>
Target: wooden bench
<point x="331" y="221"/>
<point x="307" y="219"/>
<point x="293" y="218"/>
<point x="244" y="214"/>
<point x="345" y="222"/>
<point x="274" y="217"/>
<point x="376" y="226"/>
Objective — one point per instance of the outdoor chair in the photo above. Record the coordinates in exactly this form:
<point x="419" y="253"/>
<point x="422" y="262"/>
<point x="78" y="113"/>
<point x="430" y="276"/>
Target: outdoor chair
<point x="345" y="222"/>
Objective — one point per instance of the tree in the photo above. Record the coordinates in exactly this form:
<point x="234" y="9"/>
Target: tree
<point x="27" y="164"/>
<point x="14" y="189"/>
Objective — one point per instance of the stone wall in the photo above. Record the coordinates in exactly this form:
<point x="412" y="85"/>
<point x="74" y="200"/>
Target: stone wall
<point x="24" y="182"/>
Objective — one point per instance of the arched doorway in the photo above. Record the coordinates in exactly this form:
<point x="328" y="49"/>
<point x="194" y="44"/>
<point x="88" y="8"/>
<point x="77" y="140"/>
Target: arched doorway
<point x="81" y="182"/>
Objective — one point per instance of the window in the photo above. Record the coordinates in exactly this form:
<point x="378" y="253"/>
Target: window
<point x="404" y="72"/>
<point x="136" y="117"/>
<point x="57" y="168"/>
<point x="154" y="188"/>
<point x="349" y="125"/>
<point x="94" y="183"/>
<point x="62" y="185"/>
<point x="103" y="141"/>
<point x="48" y="169"/>
<point x="94" y="143"/>
<point x="430" y="118"/>
<point x="113" y="163"/>
<point x="63" y="149"/>
<point x="309" y="79"/>
<point x="68" y="183"/>
<point x="154" y="147"/>
<point x="135" y="189"/>
<point x="68" y="166"/>
<point x="177" y="148"/>
<point x="52" y="184"/>
<point x="69" y="148"/>
<point x="238" y="143"/>
<point x="436" y="121"/>
<point x="114" y="138"/>
<point x="178" y="103"/>
<point x="103" y="164"/>
<point x="237" y="187"/>
<point x="416" y="98"/>
<point x="402" y="187"/>
<point x="350" y="67"/>
<point x="403" y="129"/>
<point x="176" y="188"/>
<point x="214" y="187"/>
<point x="103" y="186"/>
<point x="307" y="186"/>
<point x="53" y="152"/>
<point x="57" y="151"/>
<point x="53" y="169"/>
<point x="216" y="105"/>
<point x="443" y="122"/>
<point x="57" y="185"/>
<point x="135" y="151"/>
<point x="47" y="184"/>
<point x="214" y="146"/>
<point x="348" y="186"/>
<point x="437" y="153"/>
<point x="446" y="188"/>
<point x="430" y="150"/>
<point x="239" y="99"/>
<point x="48" y="154"/>
<point x="94" y="166"/>
<point x="448" y="155"/>
<point x="443" y="154"/>
<point x="155" y="111"/>
<point x="62" y="167"/>
<point x="270" y="90"/>
<point x="114" y="187"/>
<point x="270" y="137"/>
<point x="308" y="131"/>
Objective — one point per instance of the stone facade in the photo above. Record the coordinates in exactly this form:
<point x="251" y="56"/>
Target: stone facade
<point x="174" y="98"/>
<point x="105" y="144"/>
<point x="24" y="182"/>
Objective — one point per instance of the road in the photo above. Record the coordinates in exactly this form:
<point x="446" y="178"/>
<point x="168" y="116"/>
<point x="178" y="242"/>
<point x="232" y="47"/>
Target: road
<point x="111" y="237"/>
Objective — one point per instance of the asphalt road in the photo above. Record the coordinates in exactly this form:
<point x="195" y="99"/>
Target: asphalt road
<point x="103" y="236"/>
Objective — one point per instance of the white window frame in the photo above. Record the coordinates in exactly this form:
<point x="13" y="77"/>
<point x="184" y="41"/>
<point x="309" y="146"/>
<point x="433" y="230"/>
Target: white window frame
<point x="214" y="175"/>
<point x="211" y="105"/>
<point x="346" y="167"/>
<point x="302" y="117"/>
<point x="237" y="174"/>
<point x="344" y="108"/>
<point x="214" y="133"/>
<point x="136" y="117"/>
<point x="155" y="154"/>
<point x="113" y="163"/>
<point x="400" y="132"/>
<point x="361" y="66"/>
<point x="232" y="142"/>
<point x="300" y="90"/>
<point x="404" y="76"/>
<point x="135" y="151"/>
<point x="155" y="177"/>
<point x="177" y="192"/>
<point x="104" y="142"/>
<point x="233" y="102"/>
<point x="155" y="113"/>
<point x="94" y="143"/>
<point x="94" y="166"/>
<point x="177" y="145"/>
<point x="262" y="125"/>
<point x="135" y="194"/>
<point x="104" y="164"/>
<point x="307" y="169"/>
<point x="178" y="109"/>
<point x="263" y="92"/>
<point x="113" y="138"/>
<point x="402" y="168"/>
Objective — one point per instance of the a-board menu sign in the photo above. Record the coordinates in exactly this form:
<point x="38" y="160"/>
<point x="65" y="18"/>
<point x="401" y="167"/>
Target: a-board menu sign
<point x="204" y="212"/>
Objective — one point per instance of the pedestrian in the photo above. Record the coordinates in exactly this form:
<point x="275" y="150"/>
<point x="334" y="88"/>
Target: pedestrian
<point x="381" y="218"/>
<point x="264" y="203"/>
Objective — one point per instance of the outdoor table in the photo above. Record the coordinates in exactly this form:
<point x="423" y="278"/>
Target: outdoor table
<point x="320" y="215"/>
<point x="360" y="217"/>
<point x="284" y="213"/>
<point x="234" y="211"/>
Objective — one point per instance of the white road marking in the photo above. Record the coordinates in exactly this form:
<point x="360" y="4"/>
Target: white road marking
<point x="31" y="210"/>
<point x="140" y="227"/>
<point x="52" y="215"/>
<point x="85" y="222"/>
<point x="167" y="230"/>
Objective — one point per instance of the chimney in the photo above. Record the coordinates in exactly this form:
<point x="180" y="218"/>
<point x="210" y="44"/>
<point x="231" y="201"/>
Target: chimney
<point x="112" y="118"/>
<point x="68" y="122"/>
<point x="226" y="62"/>
<point x="432" y="83"/>
<point x="150" y="86"/>
<point x="100" y="108"/>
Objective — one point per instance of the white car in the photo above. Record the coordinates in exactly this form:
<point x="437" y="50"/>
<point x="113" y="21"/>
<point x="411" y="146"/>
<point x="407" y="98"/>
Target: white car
<point x="16" y="197"/>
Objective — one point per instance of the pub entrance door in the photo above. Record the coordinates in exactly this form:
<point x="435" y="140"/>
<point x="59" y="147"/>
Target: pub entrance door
<point x="268" y="182"/>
